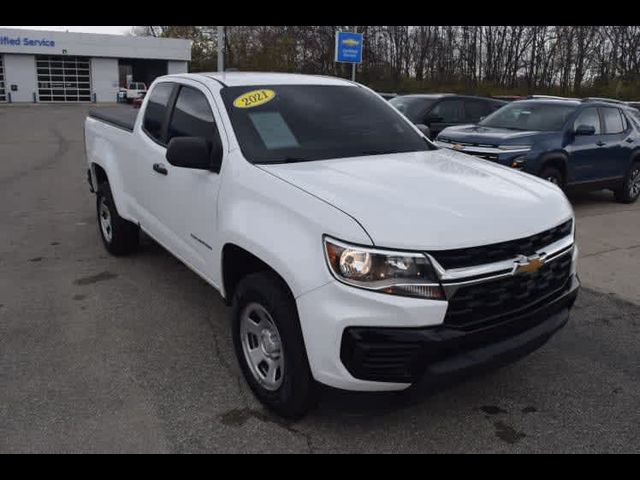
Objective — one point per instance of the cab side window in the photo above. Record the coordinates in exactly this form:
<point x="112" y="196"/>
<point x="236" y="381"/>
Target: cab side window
<point x="590" y="117"/>
<point x="192" y="117"/>
<point x="476" y="109"/>
<point x="612" y="120"/>
<point x="156" y="111"/>
<point x="448" y="111"/>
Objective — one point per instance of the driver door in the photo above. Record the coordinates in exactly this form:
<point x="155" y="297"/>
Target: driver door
<point x="184" y="200"/>
<point x="445" y="113"/>
<point x="584" y="150"/>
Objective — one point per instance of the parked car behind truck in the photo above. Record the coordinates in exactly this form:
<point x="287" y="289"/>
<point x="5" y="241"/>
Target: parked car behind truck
<point x="587" y="144"/>
<point x="353" y="251"/>
<point x="135" y="90"/>
<point x="434" y="112"/>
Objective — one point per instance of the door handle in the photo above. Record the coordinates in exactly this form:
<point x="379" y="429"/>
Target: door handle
<point x="600" y="143"/>
<point x="160" y="168"/>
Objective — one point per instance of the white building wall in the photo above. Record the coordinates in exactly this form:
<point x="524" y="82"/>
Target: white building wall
<point x="104" y="79"/>
<point x="177" y="67"/>
<point x="20" y="70"/>
<point x="34" y="42"/>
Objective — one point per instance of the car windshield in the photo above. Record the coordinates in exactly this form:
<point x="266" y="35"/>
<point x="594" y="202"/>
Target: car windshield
<point x="412" y="107"/>
<point x="541" y="117"/>
<point x="297" y="123"/>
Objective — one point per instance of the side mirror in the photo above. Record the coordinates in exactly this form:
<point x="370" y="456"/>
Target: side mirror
<point x="194" y="152"/>
<point x="585" y="130"/>
<point x="426" y="131"/>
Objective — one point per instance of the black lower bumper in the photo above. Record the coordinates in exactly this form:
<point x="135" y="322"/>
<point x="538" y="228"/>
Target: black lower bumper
<point x="407" y="355"/>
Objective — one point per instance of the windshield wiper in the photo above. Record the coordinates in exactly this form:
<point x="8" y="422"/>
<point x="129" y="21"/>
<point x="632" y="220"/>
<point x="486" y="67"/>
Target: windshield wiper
<point x="285" y="160"/>
<point x="507" y="128"/>
<point x="377" y="152"/>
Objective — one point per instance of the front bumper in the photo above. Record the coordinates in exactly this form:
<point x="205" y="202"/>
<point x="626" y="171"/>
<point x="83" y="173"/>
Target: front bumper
<point x="440" y="353"/>
<point x="349" y="333"/>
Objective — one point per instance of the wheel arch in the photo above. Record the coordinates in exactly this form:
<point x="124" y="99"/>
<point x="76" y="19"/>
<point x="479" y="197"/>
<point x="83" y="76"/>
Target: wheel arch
<point x="558" y="160"/>
<point x="236" y="262"/>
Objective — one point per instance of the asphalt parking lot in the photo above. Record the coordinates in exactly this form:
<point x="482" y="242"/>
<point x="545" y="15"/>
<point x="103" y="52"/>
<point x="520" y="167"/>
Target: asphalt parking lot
<point x="101" y="354"/>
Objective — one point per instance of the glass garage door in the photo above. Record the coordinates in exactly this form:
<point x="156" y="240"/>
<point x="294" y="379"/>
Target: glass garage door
<point x="63" y="79"/>
<point x="3" y="92"/>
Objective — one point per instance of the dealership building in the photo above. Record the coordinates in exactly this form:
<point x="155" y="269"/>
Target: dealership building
<point x="40" y="66"/>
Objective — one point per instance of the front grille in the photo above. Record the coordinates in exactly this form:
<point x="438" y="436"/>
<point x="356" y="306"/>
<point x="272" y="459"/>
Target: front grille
<point x="493" y="301"/>
<point x="487" y="156"/>
<point x="468" y="257"/>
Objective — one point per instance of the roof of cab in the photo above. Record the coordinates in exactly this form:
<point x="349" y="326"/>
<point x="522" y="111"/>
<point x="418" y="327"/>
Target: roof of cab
<point x="241" y="79"/>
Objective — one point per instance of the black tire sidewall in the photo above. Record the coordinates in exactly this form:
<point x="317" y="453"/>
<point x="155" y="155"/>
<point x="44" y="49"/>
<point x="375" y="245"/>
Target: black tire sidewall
<point x="104" y="193"/>
<point x="623" y="193"/>
<point x="629" y="197"/>
<point x="124" y="234"/>
<point x="552" y="172"/>
<point x="297" y="392"/>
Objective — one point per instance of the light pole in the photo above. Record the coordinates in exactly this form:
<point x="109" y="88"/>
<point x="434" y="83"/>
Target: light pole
<point x="220" y="49"/>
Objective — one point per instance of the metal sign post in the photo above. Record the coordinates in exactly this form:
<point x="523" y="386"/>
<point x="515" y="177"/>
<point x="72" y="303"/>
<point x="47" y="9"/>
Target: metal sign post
<point x="349" y="50"/>
<point x="220" y="49"/>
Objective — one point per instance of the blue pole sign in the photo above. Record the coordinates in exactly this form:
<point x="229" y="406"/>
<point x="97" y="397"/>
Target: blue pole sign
<point x="348" y="47"/>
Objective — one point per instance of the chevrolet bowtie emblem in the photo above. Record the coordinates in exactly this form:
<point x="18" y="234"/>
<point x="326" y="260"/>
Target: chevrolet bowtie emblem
<point x="457" y="146"/>
<point x="529" y="264"/>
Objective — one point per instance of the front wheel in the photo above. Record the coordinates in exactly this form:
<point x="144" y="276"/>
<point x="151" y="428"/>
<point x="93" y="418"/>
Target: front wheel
<point x="630" y="189"/>
<point x="552" y="175"/>
<point x="269" y="345"/>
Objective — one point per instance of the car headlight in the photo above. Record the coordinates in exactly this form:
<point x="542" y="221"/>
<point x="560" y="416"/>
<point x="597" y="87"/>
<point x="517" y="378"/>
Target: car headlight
<point x="515" y="148"/>
<point x="407" y="274"/>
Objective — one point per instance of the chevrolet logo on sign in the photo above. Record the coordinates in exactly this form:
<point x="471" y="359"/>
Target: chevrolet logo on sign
<point x="525" y="265"/>
<point x="350" y="42"/>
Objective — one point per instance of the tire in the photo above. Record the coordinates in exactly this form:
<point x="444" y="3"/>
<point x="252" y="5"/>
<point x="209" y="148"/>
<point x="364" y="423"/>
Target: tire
<point x="553" y="175"/>
<point x="630" y="189"/>
<point x="262" y="301"/>
<point x="120" y="237"/>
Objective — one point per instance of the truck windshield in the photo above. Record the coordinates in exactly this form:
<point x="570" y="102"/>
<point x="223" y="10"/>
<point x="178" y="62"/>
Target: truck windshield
<point x="297" y="123"/>
<point x="540" y="117"/>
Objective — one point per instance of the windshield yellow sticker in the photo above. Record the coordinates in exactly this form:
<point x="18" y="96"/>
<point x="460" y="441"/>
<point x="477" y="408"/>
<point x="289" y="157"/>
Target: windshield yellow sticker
<point x="254" y="98"/>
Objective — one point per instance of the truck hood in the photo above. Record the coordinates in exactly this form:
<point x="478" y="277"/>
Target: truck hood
<point x="432" y="200"/>
<point x="489" y="135"/>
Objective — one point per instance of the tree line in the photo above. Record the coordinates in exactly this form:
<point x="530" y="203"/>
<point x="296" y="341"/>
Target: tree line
<point x="512" y="59"/>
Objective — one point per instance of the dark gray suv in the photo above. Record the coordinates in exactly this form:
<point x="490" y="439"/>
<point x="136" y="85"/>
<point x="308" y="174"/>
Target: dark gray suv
<point x="435" y="112"/>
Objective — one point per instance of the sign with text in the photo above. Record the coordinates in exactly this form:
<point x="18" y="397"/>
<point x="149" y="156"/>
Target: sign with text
<point x="26" y="41"/>
<point x="348" y="47"/>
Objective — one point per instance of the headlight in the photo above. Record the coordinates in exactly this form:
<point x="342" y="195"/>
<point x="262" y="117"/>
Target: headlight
<point x="407" y="274"/>
<point x="515" y="148"/>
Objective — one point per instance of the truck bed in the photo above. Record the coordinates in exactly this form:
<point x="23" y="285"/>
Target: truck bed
<point x="123" y="117"/>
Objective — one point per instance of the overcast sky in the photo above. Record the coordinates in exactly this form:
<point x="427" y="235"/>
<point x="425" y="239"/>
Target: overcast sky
<point x="83" y="29"/>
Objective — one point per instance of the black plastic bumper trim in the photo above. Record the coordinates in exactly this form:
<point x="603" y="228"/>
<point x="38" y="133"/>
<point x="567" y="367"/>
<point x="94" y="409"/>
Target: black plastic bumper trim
<point x="430" y="354"/>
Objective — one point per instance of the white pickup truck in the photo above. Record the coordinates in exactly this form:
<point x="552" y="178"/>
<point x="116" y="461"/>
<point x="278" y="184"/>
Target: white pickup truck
<point x="353" y="251"/>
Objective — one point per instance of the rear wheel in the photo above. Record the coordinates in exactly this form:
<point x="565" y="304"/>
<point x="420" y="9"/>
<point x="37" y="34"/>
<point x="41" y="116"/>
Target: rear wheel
<point x="553" y="175"/>
<point x="269" y="345"/>
<point x="119" y="236"/>
<point x="630" y="189"/>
